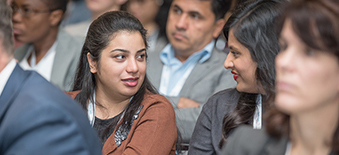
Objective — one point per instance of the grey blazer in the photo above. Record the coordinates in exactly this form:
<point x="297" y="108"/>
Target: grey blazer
<point x="208" y="129"/>
<point x="205" y="79"/>
<point x="248" y="141"/>
<point x="65" y="62"/>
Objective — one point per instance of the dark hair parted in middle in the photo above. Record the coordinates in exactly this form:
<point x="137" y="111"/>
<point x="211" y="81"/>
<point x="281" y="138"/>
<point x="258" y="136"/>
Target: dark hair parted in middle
<point x="99" y="35"/>
<point x="253" y="25"/>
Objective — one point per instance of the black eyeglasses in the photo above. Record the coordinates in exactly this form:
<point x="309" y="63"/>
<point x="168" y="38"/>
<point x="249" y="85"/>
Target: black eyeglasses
<point x="27" y="12"/>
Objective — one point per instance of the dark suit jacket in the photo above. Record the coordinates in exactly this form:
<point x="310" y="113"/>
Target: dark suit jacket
<point x="37" y="118"/>
<point x="208" y="129"/>
<point x="248" y="141"/>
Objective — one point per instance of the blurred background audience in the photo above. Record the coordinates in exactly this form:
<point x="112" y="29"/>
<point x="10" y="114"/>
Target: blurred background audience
<point x="97" y="8"/>
<point x="48" y="49"/>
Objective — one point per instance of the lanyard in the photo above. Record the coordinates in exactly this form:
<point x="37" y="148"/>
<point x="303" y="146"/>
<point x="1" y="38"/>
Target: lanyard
<point x="91" y="110"/>
<point x="257" y="119"/>
<point x="288" y="148"/>
<point x="165" y="75"/>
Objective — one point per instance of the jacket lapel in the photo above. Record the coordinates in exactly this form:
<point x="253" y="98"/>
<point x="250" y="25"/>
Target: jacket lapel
<point x="63" y="58"/>
<point x="12" y="88"/>
<point x="154" y="70"/>
<point x="200" y="71"/>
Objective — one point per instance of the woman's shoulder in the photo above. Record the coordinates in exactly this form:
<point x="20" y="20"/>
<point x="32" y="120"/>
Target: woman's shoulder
<point x="230" y="94"/>
<point x="226" y="97"/>
<point x="151" y="99"/>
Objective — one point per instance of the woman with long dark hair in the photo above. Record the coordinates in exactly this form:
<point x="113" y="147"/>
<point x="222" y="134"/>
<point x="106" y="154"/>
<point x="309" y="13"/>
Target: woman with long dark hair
<point x="111" y="84"/>
<point x="253" y="45"/>
<point x="305" y="119"/>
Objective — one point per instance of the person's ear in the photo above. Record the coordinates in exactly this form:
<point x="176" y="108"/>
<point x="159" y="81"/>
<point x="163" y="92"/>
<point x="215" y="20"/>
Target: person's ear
<point x="55" y="17"/>
<point x="92" y="63"/>
<point x="219" y="25"/>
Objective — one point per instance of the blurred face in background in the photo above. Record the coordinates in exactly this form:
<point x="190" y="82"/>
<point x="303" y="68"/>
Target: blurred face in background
<point x="243" y="67"/>
<point x="306" y="79"/>
<point x="32" y="20"/>
<point x="144" y="10"/>
<point x="102" y="6"/>
<point x="191" y="25"/>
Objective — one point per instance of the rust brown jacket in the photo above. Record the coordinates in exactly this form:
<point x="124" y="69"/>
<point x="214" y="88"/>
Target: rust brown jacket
<point x="154" y="132"/>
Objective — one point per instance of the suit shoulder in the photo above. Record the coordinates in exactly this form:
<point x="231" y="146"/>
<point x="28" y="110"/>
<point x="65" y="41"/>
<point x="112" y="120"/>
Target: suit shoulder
<point x="228" y="96"/>
<point x="151" y="99"/>
<point x="36" y="87"/>
<point x="68" y="42"/>
<point x="219" y="53"/>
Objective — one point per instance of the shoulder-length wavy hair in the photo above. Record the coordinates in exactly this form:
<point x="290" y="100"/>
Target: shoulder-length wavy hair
<point x="316" y="23"/>
<point x="99" y="35"/>
<point x="253" y="25"/>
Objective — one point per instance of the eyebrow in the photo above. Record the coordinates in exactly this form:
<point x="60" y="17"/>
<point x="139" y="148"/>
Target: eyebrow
<point x="126" y="51"/>
<point x="233" y="48"/>
<point x="177" y="7"/>
<point x="190" y="12"/>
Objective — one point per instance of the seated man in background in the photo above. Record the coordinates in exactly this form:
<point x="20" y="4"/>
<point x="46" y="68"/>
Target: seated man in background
<point x="190" y="69"/>
<point x="51" y="52"/>
<point x="35" y="116"/>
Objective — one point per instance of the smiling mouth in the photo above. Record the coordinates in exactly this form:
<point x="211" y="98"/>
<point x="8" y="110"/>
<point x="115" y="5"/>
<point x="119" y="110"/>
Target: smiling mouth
<point x="130" y="82"/>
<point x="235" y="76"/>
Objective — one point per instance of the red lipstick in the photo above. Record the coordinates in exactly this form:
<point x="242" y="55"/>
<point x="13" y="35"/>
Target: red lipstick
<point x="235" y="76"/>
<point x="130" y="82"/>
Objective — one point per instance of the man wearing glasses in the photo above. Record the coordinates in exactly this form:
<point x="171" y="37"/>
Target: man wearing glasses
<point x="48" y="50"/>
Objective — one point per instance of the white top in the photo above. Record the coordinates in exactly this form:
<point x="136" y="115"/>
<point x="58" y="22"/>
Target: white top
<point x="5" y="74"/>
<point x="45" y="65"/>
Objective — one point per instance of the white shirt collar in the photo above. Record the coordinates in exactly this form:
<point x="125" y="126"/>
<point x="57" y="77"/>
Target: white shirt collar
<point x="5" y="74"/>
<point x="45" y="65"/>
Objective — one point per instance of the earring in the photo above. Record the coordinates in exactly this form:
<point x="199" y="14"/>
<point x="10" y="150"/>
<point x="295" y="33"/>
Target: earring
<point x="91" y="68"/>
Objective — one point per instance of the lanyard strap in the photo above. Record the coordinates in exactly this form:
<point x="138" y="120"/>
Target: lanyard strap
<point x="165" y="75"/>
<point x="91" y="110"/>
<point x="288" y="148"/>
<point x="257" y="119"/>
